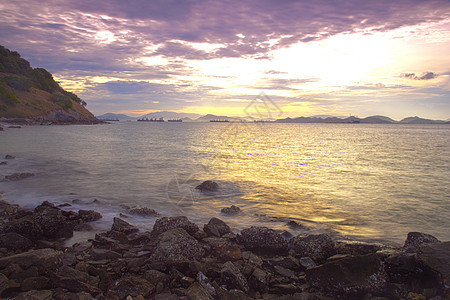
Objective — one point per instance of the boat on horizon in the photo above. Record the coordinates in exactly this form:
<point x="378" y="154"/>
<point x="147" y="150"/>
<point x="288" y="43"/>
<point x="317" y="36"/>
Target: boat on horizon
<point x="145" y="119"/>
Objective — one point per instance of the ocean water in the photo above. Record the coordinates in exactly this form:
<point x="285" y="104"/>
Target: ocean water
<point x="357" y="181"/>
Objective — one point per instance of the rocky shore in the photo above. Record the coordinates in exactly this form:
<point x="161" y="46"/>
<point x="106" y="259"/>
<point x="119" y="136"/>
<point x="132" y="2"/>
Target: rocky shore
<point x="180" y="260"/>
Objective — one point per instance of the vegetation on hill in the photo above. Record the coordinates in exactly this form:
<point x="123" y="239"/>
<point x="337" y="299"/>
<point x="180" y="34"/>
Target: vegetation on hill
<point x="28" y="93"/>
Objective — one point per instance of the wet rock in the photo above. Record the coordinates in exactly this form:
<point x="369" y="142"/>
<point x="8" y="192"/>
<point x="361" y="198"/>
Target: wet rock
<point x="318" y="247"/>
<point x="52" y="221"/>
<point x="307" y="262"/>
<point x="436" y="257"/>
<point x="223" y="249"/>
<point x="35" y="295"/>
<point x="402" y="267"/>
<point x="7" y="156"/>
<point x="89" y="215"/>
<point x="415" y="239"/>
<point x="131" y="286"/>
<point x="17" y="176"/>
<point x="35" y="283"/>
<point x="14" y="241"/>
<point x="66" y="271"/>
<point x="165" y="224"/>
<point x="25" y="226"/>
<point x="296" y="226"/>
<point x="288" y="262"/>
<point x="3" y="162"/>
<point x="143" y="211"/>
<point x="232" y="277"/>
<point x="46" y="259"/>
<point x="207" y="186"/>
<point x="356" y="248"/>
<point x="353" y="276"/>
<point x="123" y="226"/>
<point x="216" y="227"/>
<point x="177" y="242"/>
<point x="232" y="210"/>
<point x="196" y="291"/>
<point x="262" y="240"/>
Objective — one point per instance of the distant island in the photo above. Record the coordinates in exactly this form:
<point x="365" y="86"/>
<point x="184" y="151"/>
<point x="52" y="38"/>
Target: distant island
<point x="183" y="117"/>
<point x="30" y="95"/>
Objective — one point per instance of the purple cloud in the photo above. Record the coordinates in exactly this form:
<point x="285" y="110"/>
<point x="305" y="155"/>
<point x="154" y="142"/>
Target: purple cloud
<point x="423" y="76"/>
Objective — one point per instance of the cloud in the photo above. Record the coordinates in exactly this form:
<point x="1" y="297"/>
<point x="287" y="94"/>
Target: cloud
<point x="423" y="76"/>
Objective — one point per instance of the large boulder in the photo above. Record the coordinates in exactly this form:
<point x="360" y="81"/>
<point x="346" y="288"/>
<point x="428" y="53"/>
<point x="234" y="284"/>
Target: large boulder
<point x="232" y="210"/>
<point x="25" y="226"/>
<point x="165" y="224"/>
<point x="232" y="277"/>
<point x="177" y="242"/>
<point x="53" y="222"/>
<point x="123" y="226"/>
<point x="43" y="259"/>
<point x="415" y="239"/>
<point x="89" y="215"/>
<point x="436" y="256"/>
<point x="349" y="277"/>
<point x="14" y="241"/>
<point x="318" y="247"/>
<point x="216" y="227"/>
<point x="262" y="240"/>
<point x="143" y="212"/>
<point x="207" y="186"/>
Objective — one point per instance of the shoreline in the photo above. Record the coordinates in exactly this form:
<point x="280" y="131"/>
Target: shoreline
<point x="180" y="260"/>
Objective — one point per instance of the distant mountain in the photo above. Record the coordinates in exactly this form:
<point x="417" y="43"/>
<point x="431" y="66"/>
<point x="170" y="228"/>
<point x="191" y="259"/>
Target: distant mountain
<point x="378" y="120"/>
<point x="210" y="117"/>
<point x="319" y="120"/>
<point x="170" y="115"/>
<point x="417" y="120"/>
<point x="113" y="116"/>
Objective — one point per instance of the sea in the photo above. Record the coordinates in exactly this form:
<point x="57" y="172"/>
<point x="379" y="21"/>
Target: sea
<point x="363" y="182"/>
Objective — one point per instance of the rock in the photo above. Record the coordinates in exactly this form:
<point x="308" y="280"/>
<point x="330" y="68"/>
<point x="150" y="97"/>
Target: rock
<point x="356" y="248"/>
<point x="89" y="215"/>
<point x="1" y="128"/>
<point x="259" y="280"/>
<point x="402" y="267"/>
<point x="252" y="259"/>
<point x="207" y="186"/>
<point x="123" y="226"/>
<point x="284" y="272"/>
<point x="131" y="286"/>
<point x="3" y="162"/>
<point x="45" y="259"/>
<point x="307" y="262"/>
<point x="262" y="240"/>
<point x="35" y="295"/>
<point x="297" y="226"/>
<point x="165" y="224"/>
<point x="318" y="247"/>
<point x="143" y="211"/>
<point x="415" y="239"/>
<point x="14" y="241"/>
<point x="75" y="286"/>
<point x="232" y="277"/>
<point x="352" y="277"/>
<point x="216" y="227"/>
<point x="196" y="291"/>
<point x="25" y="226"/>
<point x="52" y="221"/>
<point x="66" y="271"/>
<point x="4" y="283"/>
<point x="177" y="242"/>
<point x="436" y="257"/>
<point x="17" y="176"/>
<point x="9" y="156"/>
<point x="155" y="277"/>
<point x="15" y="126"/>
<point x="35" y="283"/>
<point x="232" y="210"/>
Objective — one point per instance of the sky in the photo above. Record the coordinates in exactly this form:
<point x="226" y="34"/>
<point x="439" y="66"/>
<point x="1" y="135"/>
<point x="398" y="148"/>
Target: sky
<point x="304" y="58"/>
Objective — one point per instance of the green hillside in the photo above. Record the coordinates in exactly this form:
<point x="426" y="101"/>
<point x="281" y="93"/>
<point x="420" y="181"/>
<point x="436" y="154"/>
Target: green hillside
<point x="34" y="94"/>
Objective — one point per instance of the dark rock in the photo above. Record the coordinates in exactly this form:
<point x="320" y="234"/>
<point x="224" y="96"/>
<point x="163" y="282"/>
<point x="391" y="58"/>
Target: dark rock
<point x="165" y="224"/>
<point x="232" y="277"/>
<point x="207" y="186"/>
<point x="89" y="215"/>
<point x="15" y="241"/>
<point x="46" y="259"/>
<point x="123" y="226"/>
<point x="25" y="226"/>
<point x="284" y="272"/>
<point x="259" y="280"/>
<point x="66" y="271"/>
<point x="17" y="176"/>
<point x="155" y="277"/>
<point x="15" y="126"/>
<point x="252" y="259"/>
<point x="232" y="210"/>
<point x="177" y="242"/>
<point x="3" y="162"/>
<point x="52" y="221"/>
<point x="318" y="247"/>
<point x="83" y="227"/>
<point x="223" y="249"/>
<point x="131" y="286"/>
<point x="101" y="254"/>
<point x="9" y="156"/>
<point x="415" y="239"/>
<point x="297" y="226"/>
<point x="4" y="283"/>
<point x="262" y="240"/>
<point x="35" y="283"/>
<point x="1" y="128"/>
<point x="402" y="267"/>
<point x="143" y="211"/>
<point x="356" y="248"/>
<point x="288" y="262"/>
<point x="216" y="227"/>
<point x="436" y="257"/>
<point x="76" y="286"/>
<point x="35" y="295"/>
<point x="196" y="291"/>
<point x="352" y="277"/>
